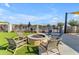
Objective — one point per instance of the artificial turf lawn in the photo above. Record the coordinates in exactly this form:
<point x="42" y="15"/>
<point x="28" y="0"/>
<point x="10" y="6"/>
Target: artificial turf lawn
<point x="5" y="52"/>
<point x="4" y="43"/>
<point x="4" y="35"/>
<point x="26" y="50"/>
<point x="20" y="51"/>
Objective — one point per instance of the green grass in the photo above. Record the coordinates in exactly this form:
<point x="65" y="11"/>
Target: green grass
<point x="4" y="43"/>
<point x="4" y="35"/>
<point x="28" y="33"/>
<point x="24" y="50"/>
<point x="5" y="52"/>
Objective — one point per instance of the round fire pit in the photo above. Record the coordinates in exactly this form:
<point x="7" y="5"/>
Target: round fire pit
<point x="36" y="39"/>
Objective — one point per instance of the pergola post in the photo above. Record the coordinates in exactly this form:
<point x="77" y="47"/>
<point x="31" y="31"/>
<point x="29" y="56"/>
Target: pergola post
<point x="9" y="27"/>
<point x="37" y="29"/>
<point x="65" y="26"/>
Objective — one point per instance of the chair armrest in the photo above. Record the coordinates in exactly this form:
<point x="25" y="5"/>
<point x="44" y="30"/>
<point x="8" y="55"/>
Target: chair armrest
<point x="59" y="42"/>
<point x="44" y="45"/>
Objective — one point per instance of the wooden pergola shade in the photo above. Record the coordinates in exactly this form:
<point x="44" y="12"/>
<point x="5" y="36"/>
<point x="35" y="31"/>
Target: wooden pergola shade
<point x="75" y="13"/>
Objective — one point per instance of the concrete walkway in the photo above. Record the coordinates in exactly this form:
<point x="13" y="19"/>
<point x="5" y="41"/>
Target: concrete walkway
<point x="72" y="41"/>
<point x="68" y="50"/>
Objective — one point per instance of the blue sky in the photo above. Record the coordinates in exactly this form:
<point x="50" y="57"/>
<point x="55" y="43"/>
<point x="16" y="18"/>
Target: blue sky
<point x="38" y="13"/>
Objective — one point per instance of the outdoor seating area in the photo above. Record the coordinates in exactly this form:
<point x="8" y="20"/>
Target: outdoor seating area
<point x="25" y="43"/>
<point x="39" y="31"/>
<point x="33" y="42"/>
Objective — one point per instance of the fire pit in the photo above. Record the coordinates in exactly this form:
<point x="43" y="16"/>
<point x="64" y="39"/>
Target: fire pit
<point x="36" y="39"/>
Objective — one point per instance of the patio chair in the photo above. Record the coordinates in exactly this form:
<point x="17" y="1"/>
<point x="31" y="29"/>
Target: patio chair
<point x="57" y="36"/>
<point x="52" y="44"/>
<point x="12" y="44"/>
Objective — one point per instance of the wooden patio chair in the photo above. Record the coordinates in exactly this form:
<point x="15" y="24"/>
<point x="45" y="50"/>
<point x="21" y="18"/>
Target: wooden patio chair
<point x="12" y="44"/>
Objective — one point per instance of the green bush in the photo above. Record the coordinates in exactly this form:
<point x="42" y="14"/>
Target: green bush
<point x="73" y="22"/>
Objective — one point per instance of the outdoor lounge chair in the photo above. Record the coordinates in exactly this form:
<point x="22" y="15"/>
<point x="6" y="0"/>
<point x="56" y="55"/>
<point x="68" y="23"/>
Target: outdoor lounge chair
<point x="50" y="46"/>
<point x="12" y="44"/>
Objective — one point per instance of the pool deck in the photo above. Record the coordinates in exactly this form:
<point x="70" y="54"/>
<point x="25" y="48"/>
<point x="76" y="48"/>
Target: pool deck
<point x="69" y="46"/>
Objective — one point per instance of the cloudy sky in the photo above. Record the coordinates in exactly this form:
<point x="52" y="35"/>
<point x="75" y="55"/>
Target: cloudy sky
<point x="39" y="13"/>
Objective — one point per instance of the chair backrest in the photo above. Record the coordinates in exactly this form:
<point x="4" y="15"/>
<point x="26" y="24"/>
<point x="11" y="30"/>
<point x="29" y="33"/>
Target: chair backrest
<point x="56" y="36"/>
<point x="52" y="44"/>
<point x="12" y="43"/>
<point x="49" y="32"/>
<point x="20" y="34"/>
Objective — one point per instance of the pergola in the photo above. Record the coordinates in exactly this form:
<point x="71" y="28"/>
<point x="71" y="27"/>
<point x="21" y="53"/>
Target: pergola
<point x="66" y="17"/>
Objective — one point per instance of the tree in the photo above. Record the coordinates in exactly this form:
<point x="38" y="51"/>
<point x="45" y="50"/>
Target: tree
<point x="73" y="22"/>
<point x="60" y="24"/>
<point x="48" y="25"/>
<point x="29" y="26"/>
<point x="49" y="29"/>
<point x="53" y="26"/>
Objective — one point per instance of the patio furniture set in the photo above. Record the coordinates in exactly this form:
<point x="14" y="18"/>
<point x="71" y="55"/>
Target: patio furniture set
<point x="37" y="40"/>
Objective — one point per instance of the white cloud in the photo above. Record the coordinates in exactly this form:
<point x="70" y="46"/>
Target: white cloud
<point x="7" y="5"/>
<point x="24" y="18"/>
<point x="55" y="20"/>
<point x="32" y="17"/>
<point x="75" y="16"/>
<point x="10" y="15"/>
